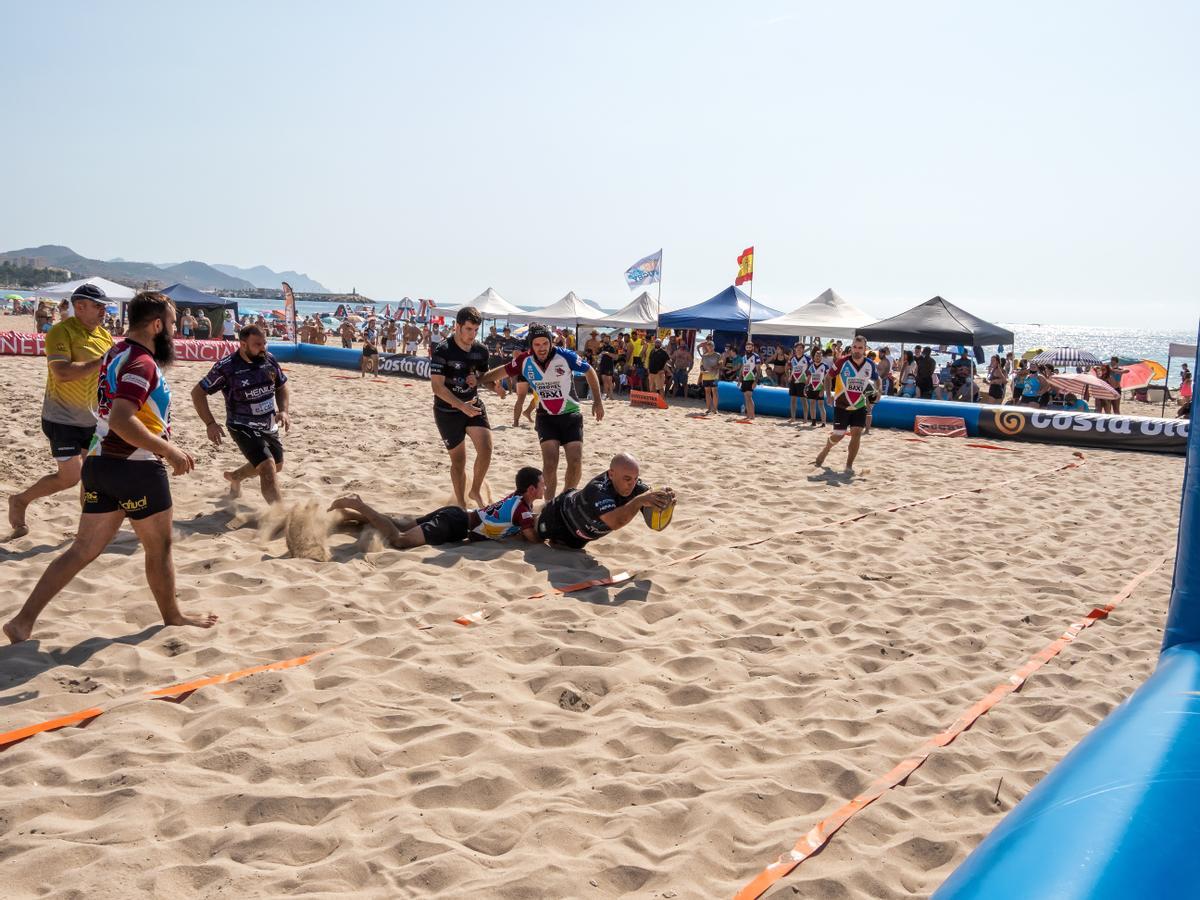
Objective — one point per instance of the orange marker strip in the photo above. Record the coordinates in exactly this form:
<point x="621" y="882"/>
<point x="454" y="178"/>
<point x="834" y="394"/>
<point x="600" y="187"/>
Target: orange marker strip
<point x="619" y="578"/>
<point x="76" y="718"/>
<point x="476" y="618"/>
<point x="86" y="715"/>
<point x="991" y="447"/>
<point x="820" y="833"/>
<point x="189" y="686"/>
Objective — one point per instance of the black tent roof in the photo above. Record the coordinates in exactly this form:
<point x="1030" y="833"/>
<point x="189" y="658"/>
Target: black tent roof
<point x="937" y="321"/>
<point x="184" y="296"/>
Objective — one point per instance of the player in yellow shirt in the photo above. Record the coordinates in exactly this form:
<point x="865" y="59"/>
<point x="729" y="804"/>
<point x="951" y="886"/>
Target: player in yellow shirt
<point x="73" y="350"/>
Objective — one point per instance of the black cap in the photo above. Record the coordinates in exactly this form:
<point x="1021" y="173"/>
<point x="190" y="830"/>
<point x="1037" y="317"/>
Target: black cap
<point x="537" y="330"/>
<point x="90" y="292"/>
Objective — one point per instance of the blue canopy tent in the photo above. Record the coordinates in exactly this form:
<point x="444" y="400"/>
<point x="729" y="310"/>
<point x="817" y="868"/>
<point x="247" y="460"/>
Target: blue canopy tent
<point x="728" y="315"/>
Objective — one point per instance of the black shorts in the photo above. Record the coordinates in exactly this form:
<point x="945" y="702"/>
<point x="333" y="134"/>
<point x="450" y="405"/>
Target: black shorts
<point x="552" y="527"/>
<point x="797" y="389"/>
<point x="996" y="391"/>
<point x="747" y="387"/>
<point x="257" y="446"/>
<point x="447" y="525"/>
<point x="370" y="351"/>
<point x="452" y="424"/>
<point x="67" y="441"/>
<point x="566" y="428"/>
<point x="137" y="486"/>
<point x="848" y="418"/>
<point x="813" y="393"/>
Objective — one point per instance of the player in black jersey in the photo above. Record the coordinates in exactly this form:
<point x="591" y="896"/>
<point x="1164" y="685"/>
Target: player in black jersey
<point x="607" y="502"/>
<point x="455" y="364"/>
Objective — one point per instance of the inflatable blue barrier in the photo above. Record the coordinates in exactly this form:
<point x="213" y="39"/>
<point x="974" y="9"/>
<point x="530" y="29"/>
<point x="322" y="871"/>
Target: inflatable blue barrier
<point x="889" y="412"/>
<point x="317" y="355"/>
<point x="1117" y="818"/>
<point x="997" y="422"/>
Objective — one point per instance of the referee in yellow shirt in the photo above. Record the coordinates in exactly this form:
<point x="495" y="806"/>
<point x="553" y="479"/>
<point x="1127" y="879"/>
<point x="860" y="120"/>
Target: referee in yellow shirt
<point x="73" y="350"/>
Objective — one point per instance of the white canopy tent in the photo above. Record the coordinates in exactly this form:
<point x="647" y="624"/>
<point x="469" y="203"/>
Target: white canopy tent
<point x="570" y="310"/>
<point x="826" y="316"/>
<point x="640" y="313"/>
<point x="116" y="292"/>
<point x="1187" y="351"/>
<point x="490" y="305"/>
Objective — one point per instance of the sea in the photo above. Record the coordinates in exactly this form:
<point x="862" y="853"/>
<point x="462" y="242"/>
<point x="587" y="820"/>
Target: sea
<point x="1135" y="343"/>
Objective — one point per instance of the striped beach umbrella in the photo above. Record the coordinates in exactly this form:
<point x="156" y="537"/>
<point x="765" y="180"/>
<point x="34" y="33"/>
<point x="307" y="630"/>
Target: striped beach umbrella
<point x="1065" y="356"/>
<point x="1085" y="383"/>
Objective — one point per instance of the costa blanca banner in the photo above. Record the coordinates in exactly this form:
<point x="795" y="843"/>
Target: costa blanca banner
<point x="402" y="364"/>
<point x="1086" y="429"/>
<point x="20" y="343"/>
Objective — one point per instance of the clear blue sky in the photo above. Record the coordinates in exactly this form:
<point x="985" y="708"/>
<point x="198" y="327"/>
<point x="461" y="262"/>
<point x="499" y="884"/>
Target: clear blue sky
<point x="1031" y="161"/>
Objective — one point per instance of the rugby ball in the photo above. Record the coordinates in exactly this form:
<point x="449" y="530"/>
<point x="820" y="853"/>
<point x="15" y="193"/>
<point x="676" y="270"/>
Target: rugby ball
<point x="658" y="519"/>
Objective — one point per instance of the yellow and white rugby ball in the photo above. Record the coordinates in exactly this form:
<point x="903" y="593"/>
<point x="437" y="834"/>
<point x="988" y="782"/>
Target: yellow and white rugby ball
<point x="658" y="519"/>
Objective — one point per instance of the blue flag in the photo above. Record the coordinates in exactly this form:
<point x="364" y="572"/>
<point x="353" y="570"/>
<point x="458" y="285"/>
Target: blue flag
<point x="646" y="270"/>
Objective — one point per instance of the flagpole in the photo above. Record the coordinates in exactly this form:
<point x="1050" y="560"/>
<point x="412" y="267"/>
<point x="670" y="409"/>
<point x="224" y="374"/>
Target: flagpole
<point x="658" y="314"/>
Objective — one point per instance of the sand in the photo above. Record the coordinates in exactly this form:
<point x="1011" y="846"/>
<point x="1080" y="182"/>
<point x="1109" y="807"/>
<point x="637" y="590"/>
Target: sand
<point x="664" y="738"/>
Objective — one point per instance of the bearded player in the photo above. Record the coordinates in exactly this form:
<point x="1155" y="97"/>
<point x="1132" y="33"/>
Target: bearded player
<point x="850" y="380"/>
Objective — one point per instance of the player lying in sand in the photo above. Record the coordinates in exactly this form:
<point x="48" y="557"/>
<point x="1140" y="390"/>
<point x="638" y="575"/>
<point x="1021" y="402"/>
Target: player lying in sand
<point x="606" y="503"/>
<point x="453" y="524"/>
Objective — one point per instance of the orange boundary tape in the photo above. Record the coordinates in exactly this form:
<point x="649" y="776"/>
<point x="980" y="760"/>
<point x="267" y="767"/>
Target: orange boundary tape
<point x="820" y="833"/>
<point x="8" y="738"/>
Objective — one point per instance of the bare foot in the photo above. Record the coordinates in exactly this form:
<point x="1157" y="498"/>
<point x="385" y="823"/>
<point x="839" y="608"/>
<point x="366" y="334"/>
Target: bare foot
<point x="477" y="499"/>
<point x="208" y="620"/>
<point x="460" y="502"/>
<point x="16" y="516"/>
<point x="235" y="484"/>
<point x="15" y="632"/>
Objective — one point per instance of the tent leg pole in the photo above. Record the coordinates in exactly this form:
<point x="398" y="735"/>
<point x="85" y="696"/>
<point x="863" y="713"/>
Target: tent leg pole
<point x="1166" y="386"/>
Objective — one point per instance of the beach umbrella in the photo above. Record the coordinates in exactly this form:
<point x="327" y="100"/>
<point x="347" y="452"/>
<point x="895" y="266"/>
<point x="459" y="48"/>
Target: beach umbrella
<point x="1065" y="356"/>
<point x="1137" y="376"/>
<point x="1030" y="354"/>
<point x="13" y="297"/>
<point x="1091" y="384"/>
<point x="1157" y="370"/>
<point x="354" y="317"/>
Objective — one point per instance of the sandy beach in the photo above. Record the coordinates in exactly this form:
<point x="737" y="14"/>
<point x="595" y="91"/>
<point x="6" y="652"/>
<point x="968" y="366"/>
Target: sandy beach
<point x="667" y="737"/>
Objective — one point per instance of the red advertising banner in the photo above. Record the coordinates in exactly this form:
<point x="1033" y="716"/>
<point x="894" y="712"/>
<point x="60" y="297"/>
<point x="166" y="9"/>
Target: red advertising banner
<point x="20" y="343"/>
<point x="940" y="426"/>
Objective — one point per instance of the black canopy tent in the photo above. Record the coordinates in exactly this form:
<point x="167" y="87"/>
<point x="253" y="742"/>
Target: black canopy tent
<point x="937" y="321"/>
<point x="199" y="302"/>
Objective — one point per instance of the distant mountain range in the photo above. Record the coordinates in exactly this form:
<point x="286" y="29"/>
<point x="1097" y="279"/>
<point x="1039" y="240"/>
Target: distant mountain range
<point x="262" y="277"/>
<point x="193" y="273"/>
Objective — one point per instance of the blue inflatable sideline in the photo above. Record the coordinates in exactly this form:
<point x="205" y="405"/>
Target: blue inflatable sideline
<point x="889" y="412"/>
<point x="317" y="355"/>
<point x="992" y="422"/>
<point x="1118" y="817"/>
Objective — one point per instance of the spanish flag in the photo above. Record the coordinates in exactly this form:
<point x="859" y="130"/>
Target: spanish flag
<point x="745" y="266"/>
